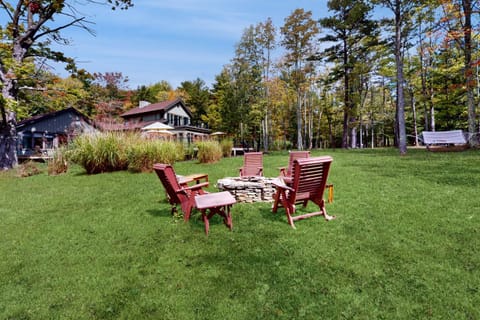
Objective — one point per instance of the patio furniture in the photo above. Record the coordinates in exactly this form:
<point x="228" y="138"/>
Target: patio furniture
<point x="252" y="164"/>
<point x="453" y="140"/>
<point x="286" y="172"/>
<point x="309" y="180"/>
<point x="217" y="203"/>
<point x="178" y="194"/>
<point x="196" y="177"/>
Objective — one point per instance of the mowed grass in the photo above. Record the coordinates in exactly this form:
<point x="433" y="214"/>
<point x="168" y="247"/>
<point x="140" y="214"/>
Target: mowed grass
<point x="405" y="245"/>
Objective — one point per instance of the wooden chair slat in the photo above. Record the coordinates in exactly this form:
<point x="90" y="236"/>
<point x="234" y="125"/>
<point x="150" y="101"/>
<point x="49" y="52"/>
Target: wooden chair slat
<point x="309" y="181"/>
<point x="252" y="164"/>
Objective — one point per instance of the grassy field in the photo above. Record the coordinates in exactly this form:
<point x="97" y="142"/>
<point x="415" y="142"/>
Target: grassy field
<point x="405" y="245"/>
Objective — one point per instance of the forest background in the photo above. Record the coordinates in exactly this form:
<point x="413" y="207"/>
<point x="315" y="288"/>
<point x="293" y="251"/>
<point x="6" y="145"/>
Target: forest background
<point x="346" y="80"/>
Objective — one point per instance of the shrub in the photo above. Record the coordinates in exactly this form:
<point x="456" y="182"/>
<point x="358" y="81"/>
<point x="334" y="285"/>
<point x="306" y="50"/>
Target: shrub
<point x="28" y="168"/>
<point x="226" y="145"/>
<point x="281" y="145"/>
<point x="142" y="156"/>
<point x="209" y="151"/>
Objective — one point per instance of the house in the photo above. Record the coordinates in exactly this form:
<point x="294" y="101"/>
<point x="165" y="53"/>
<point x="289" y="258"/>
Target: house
<point x="173" y="113"/>
<point x="48" y="131"/>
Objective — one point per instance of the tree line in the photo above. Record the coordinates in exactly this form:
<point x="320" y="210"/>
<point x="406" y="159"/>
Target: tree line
<point x="348" y="80"/>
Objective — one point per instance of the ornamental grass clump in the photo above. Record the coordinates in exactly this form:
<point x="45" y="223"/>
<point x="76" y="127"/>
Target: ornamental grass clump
<point x="102" y="152"/>
<point x="209" y="151"/>
<point x="58" y="164"/>
<point x="143" y="155"/>
<point x="226" y="145"/>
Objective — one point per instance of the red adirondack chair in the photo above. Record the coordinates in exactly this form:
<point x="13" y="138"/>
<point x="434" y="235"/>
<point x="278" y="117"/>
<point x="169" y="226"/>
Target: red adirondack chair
<point x="309" y="180"/>
<point x="177" y="194"/>
<point x="252" y="164"/>
<point x="286" y="172"/>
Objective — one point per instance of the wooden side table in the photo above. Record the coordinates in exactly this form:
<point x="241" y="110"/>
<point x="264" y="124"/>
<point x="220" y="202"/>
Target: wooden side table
<point x="217" y="203"/>
<point x="197" y="177"/>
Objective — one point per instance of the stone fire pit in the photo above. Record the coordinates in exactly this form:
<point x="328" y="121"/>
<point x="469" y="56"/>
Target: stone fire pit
<point x="248" y="189"/>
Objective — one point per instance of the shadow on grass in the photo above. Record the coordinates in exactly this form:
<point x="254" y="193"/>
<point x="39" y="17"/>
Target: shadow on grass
<point x="267" y="214"/>
<point x="159" y="213"/>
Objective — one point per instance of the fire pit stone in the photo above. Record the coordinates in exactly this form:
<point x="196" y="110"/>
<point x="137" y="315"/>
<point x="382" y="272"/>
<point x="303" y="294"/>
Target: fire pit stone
<point x="248" y="189"/>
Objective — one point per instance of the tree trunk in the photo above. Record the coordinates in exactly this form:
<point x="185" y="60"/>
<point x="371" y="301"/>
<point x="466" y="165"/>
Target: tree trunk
<point x="423" y="75"/>
<point x="299" y="121"/>
<point x="402" y="137"/>
<point x="8" y="130"/>
<point x="469" y="78"/>
<point x="346" y="84"/>
<point x="373" y="134"/>
<point x="319" y="127"/>
<point x="330" y="132"/>
<point x="414" y="110"/>
<point x="361" y="132"/>
<point x="353" y="138"/>
<point x="8" y="144"/>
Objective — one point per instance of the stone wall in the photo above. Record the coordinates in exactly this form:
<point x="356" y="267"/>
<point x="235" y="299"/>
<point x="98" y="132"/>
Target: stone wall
<point x="248" y="189"/>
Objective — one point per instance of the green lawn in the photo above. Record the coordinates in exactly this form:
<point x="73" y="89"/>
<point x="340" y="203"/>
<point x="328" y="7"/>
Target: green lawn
<point x="405" y="245"/>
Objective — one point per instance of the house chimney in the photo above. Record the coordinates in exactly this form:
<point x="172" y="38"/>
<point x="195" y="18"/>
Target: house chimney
<point x="143" y="104"/>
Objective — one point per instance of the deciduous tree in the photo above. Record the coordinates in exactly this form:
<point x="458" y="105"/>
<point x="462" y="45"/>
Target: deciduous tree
<point x="266" y="39"/>
<point x="458" y="16"/>
<point x="299" y="34"/>
<point x="27" y="32"/>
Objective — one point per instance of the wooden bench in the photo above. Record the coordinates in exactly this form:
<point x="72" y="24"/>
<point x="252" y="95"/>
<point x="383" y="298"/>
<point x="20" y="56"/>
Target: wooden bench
<point x="239" y="151"/>
<point x="453" y="140"/>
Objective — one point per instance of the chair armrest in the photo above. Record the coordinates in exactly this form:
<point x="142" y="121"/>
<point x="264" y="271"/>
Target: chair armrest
<point x="182" y="180"/>
<point x="283" y="171"/>
<point x="197" y="186"/>
<point x="279" y="183"/>
<point x="185" y="180"/>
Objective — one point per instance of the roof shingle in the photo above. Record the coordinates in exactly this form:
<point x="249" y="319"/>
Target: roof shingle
<point x="151" y="108"/>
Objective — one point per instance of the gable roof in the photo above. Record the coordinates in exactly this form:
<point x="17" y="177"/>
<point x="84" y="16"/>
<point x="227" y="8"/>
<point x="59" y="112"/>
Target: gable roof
<point x="46" y="116"/>
<point x="155" y="107"/>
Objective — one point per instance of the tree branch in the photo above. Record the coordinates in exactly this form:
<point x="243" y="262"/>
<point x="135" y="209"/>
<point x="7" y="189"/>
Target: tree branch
<point x="49" y="31"/>
<point x="6" y="8"/>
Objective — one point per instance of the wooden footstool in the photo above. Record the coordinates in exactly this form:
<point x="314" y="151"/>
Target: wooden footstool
<point x="218" y="203"/>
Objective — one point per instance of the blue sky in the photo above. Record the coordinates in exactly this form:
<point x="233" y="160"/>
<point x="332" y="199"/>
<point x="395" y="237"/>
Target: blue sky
<point x="173" y="40"/>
